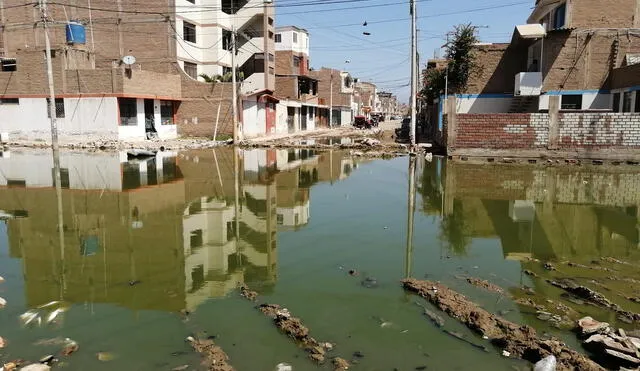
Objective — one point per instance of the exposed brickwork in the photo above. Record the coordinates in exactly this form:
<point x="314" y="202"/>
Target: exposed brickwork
<point x="600" y="130"/>
<point x="496" y="131"/>
<point x="286" y="87"/>
<point x="325" y="81"/>
<point x="197" y="114"/>
<point x="285" y="65"/>
<point x="498" y="64"/>
<point x="602" y="13"/>
<point x="579" y="130"/>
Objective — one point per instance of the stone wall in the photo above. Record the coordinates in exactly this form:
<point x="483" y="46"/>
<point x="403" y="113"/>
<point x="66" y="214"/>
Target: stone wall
<point x="524" y="131"/>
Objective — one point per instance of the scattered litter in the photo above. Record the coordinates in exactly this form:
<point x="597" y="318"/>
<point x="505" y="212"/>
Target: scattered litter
<point x="353" y="272"/>
<point x="1" y="279"/>
<point x="105" y="356"/>
<point x="70" y="347"/>
<point x="340" y="364"/>
<point x="36" y="367"/>
<point x="485" y="285"/>
<point x="549" y="267"/>
<point x="546" y="364"/>
<point x="589" y="326"/>
<point x="506" y="354"/>
<point x="3" y="303"/>
<point x="3" y="343"/>
<point x="180" y="368"/>
<point x="248" y="294"/>
<point x="214" y="358"/>
<point x="9" y="366"/>
<point x="284" y="367"/>
<point x="48" y="359"/>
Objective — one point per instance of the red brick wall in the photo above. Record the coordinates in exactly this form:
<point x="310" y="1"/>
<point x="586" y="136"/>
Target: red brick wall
<point x="495" y="131"/>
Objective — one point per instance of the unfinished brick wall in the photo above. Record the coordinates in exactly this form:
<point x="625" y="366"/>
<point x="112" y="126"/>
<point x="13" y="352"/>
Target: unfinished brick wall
<point x="523" y="131"/>
<point x="498" y="131"/>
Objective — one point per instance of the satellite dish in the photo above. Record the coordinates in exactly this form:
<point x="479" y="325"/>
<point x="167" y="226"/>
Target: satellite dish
<point x="129" y="60"/>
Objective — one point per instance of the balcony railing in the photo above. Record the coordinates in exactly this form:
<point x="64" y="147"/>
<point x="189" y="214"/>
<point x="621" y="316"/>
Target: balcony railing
<point x="528" y="84"/>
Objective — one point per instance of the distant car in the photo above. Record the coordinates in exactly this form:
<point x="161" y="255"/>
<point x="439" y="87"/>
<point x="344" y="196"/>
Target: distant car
<point x="361" y="122"/>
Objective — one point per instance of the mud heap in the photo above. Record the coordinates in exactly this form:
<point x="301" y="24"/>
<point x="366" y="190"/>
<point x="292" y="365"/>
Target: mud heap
<point x="617" y="348"/>
<point x="295" y="329"/>
<point x="519" y="341"/>
<point x="213" y="357"/>
<point x="595" y="298"/>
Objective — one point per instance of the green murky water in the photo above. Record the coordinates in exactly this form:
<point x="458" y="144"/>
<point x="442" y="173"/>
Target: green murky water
<point x="146" y="240"/>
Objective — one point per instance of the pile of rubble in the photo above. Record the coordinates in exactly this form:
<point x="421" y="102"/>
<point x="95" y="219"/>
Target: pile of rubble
<point x="617" y="347"/>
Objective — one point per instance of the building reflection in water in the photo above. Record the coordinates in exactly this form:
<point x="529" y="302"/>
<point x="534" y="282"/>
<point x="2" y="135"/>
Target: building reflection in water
<point x="156" y="233"/>
<point x="546" y="213"/>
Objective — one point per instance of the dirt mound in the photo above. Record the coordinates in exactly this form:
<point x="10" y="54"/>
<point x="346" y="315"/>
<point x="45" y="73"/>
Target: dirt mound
<point x="483" y="284"/>
<point x="519" y="341"/>
<point x="213" y="357"/>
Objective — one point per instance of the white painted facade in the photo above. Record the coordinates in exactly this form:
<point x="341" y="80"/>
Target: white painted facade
<point x="84" y="171"/>
<point x="209" y="53"/>
<point x="84" y="118"/>
<point x="292" y="39"/>
<point x="296" y="216"/>
<point x="253" y="118"/>
<point x="480" y="104"/>
<point x="591" y="100"/>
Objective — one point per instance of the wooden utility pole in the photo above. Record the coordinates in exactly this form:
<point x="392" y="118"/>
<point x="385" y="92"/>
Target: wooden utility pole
<point x="414" y="74"/>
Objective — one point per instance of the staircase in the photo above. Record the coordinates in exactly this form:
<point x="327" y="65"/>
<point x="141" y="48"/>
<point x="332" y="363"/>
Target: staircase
<point x="524" y="104"/>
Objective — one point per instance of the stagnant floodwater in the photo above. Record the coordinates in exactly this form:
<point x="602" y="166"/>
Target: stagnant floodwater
<point x="147" y="240"/>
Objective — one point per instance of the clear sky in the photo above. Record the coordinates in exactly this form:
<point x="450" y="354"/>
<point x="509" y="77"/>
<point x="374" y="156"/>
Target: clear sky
<point x="336" y="32"/>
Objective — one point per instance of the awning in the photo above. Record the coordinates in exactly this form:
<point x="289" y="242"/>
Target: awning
<point x="531" y="31"/>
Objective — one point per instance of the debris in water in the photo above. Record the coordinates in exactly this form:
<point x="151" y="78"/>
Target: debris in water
<point x="506" y="354"/>
<point x="546" y="364"/>
<point x="48" y="359"/>
<point x="3" y="303"/>
<point x="1" y="279"/>
<point x="105" y="356"/>
<point x="214" y="358"/>
<point x="53" y="315"/>
<point x="340" y="364"/>
<point x="594" y="297"/>
<point x="134" y="282"/>
<point x="36" y="367"/>
<point x="180" y="368"/>
<point x="358" y="354"/>
<point x="369" y="282"/>
<point x="462" y="338"/>
<point x="327" y="346"/>
<point x="485" y="285"/>
<point x="9" y="366"/>
<point x="590" y="326"/>
<point x="548" y="266"/>
<point x="353" y="272"/>
<point x="248" y="294"/>
<point x="284" y="367"/>
<point x="615" y="261"/>
<point x="70" y="347"/>
<point x="28" y="317"/>
<point x="3" y="343"/>
<point x="520" y="341"/>
<point x="436" y="319"/>
<point x="530" y="273"/>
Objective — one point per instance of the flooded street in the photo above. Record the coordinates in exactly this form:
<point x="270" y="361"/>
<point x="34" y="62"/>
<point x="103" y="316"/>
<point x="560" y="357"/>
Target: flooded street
<point x="154" y="250"/>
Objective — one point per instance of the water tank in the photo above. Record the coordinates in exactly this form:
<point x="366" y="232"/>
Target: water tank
<point x="76" y="33"/>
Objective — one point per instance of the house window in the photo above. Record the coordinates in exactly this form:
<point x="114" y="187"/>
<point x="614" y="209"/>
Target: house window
<point x="559" y="16"/>
<point x="295" y="37"/>
<point x="278" y="38"/>
<point x="626" y="102"/>
<point x="8" y="64"/>
<point x="616" y="102"/>
<point x="272" y="71"/>
<point x="270" y="35"/>
<point x="637" y="108"/>
<point x="64" y="178"/>
<point x="226" y="40"/>
<point x="296" y="61"/>
<point x="271" y="57"/>
<point x="191" y="69"/>
<point x="128" y="108"/>
<point x="59" y="108"/>
<point x="9" y="101"/>
<point x="280" y="219"/>
<point x="270" y="21"/>
<point x="189" y="32"/>
<point x="167" y="111"/>
<point x="571" y="102"/>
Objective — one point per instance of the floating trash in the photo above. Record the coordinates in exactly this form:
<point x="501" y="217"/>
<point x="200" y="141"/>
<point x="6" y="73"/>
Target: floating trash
<point x="105" y="357"/>
<point x="70" y="347"/>
<point x="3" y="343"/>
<point x="3" y="303"/>
<point x="284" y="367"/>
<point x="1" y="279"/>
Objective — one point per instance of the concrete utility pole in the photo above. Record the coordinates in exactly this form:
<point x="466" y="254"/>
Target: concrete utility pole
<point x="42" y="5"/>
<point x="414" y="74"/>
<point x="411" y="207"/>
<point x="236" y="129"/>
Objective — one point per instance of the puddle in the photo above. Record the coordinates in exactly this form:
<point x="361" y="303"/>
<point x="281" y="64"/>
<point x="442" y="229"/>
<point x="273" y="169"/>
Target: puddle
<point x="154" y="250"/>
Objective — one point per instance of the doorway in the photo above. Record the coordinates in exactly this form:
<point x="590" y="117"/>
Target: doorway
<point x="150" y="119"/>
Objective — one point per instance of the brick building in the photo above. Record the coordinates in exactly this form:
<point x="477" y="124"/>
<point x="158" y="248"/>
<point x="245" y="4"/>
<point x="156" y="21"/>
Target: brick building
<point x="175" y="38"/>
<point x="568" y="48"/>
<point x="300" y="108"/>
<point x="337" y="89"/>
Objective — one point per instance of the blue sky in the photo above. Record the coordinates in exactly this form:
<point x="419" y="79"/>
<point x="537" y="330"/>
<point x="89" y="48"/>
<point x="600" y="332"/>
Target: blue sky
<point x="383" y="57"/>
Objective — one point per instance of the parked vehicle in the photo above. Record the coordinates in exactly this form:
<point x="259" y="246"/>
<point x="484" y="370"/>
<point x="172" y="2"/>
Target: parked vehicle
<point x="361" y="122"/>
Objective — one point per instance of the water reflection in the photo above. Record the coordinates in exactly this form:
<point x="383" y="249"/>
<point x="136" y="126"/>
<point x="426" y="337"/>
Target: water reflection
<point x="161" y="232"/>
<point x="546" y="213"/>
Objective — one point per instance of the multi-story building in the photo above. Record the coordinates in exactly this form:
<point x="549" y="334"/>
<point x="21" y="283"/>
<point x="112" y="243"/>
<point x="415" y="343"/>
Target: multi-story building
<point x="386" y="104"/>
<point x="297" y="90"/>
<point x="336" y="88"/>
<point x="366" y="95"/>
<point x="567" y="48"/>
<point x="172" y="38"/>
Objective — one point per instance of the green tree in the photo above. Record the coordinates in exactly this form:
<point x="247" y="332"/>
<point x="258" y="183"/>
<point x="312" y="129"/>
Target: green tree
<point x="461" y="62"/>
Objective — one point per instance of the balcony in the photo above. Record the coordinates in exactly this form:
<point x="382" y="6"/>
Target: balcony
<point x="528" y="84"/>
